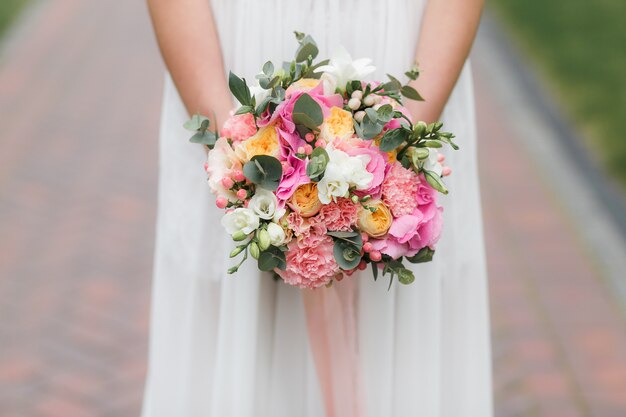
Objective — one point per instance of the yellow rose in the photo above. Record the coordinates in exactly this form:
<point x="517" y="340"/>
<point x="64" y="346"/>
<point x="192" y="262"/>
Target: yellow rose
<point x="338" y="124"/>
<point x="264" y="142"/>
<point x="374" y="223"/>
<point x="305" y="201"/>
<point x="303" y="84"/>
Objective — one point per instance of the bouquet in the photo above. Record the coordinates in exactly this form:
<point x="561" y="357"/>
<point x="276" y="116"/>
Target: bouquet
<point x="321" y="172"/>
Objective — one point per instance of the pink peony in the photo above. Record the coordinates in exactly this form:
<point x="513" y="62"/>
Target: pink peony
<point x="294" y="175"/>
<point x="400" y="190"/>
<point x="312" y="265"/>
<point x="239" y="127"/>
<point x="339" y="216"/>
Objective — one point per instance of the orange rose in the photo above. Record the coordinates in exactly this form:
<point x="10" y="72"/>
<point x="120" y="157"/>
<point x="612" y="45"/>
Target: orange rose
<point x="303" y="84"/>
<point x="264" y="142"/>
<point x="375" y="223"/>
<point x="304" y="200"/>
<point x="338" y="124"/>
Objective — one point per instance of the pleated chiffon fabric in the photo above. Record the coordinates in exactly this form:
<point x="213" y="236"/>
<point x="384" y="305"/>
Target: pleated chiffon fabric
<point x="237" y="346"/>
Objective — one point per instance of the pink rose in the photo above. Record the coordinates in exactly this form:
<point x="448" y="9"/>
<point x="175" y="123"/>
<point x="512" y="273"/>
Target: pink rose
<point x="239" y="127"/>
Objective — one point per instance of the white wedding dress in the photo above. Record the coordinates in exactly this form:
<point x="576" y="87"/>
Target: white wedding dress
<point x="236" y="346"/>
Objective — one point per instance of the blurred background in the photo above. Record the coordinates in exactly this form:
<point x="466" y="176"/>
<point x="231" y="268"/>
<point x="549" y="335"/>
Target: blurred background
<point x="80" y="91"/>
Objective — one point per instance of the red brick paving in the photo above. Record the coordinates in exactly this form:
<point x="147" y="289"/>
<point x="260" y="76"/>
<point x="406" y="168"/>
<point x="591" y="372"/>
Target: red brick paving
<point x="79" y="102"/>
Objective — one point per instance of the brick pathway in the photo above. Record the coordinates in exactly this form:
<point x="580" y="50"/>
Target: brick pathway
<point x="79" y="100"/>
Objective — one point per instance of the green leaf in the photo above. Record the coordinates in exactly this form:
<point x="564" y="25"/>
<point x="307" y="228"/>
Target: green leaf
<point x="435" y="181"/>
<point x="393" y="138"/>
<point x="240" y="89"/>
<point x="205" y="138"/>
<point x="272" y="258"/>
<point x="411" y="93"/>
<point x="245" y="109"/>
<point x="424" y="255"/>
<point x="307" y="48"/>
<point x="371" y="128"/>
<point x="317" y="163"/>
<point x="413" y="73"/>
<point x="307" y="112"/>
<point x="264" y="170"/>
<point x="197" y="122"/>
<point x="375" y="271"/>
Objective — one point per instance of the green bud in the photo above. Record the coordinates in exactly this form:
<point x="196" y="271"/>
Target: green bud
<point x="264" y="239"/>
<point x="420" y="128"/>
<point x="254" y="250"/>
<point x="237" y="250"/>
<point x="232" y="269"/>
<point x="366" y="198"/>
<point x="437" y="126"/>
<point x="239" y="236"/>
<point x="355" y="199"/>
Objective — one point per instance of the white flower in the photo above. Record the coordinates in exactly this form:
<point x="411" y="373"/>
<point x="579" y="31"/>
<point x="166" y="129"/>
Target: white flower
<point x="342" y="68"/>
<point x="332" y="185"/>
<point x="279" y="215"/>
<point x="342" y="172"/>
<point x="263" y="203"/>
<point x="241" y="219"/>
<point x="220" y="162"/>
<point x="432" y="162"/>
<point x="277" y="234"/>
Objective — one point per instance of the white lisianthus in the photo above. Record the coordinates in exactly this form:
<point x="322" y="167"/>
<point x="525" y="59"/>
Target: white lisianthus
<point x="240" y="220"/>
<point x="342" y="68"/>
<point x="277" y="234"/>
<point x="221" y="160"/>
<point x="432" y="162"/>
<point x="342" y="172"/>
<point x="264" y="204"/>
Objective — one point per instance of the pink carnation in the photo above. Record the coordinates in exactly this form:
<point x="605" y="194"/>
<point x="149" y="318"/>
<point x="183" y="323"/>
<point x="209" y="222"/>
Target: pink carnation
<point x="310" y="266"/>
<point x="306" y="230"/>
<point x="339" y="216"/>
<point x="400" y="190"/>
<point x="239" y="127"/>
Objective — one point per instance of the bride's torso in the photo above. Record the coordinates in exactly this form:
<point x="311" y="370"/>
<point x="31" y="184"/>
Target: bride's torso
<point x="253" y="31"/>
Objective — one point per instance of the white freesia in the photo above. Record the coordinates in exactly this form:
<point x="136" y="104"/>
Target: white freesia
<point x="264" y="203"/>
<point x="277" y="234"/>
<point x="432" y="162"/>
<point x="342" y="68"/>
<point x="342" y="172"/>
<point x="220" y="161"/>
<point x="279" y="215"/>
<point x="241" y="219"/>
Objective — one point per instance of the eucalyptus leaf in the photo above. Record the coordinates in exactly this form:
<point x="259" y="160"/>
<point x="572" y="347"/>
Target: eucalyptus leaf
<point x="393" y="138"/>
<point x="385" y="113"/>
<point x="307" y="112"/>
<point x="264" y="170"/>
<point x="351" y="238"/>
<point x="317" y="163"/>
<point x="205" y="138"/>
<point x="346" y="255"/>
<point x="196" y="122"/>
<point x="268" y="69"/>
<point x="271" y="259"/>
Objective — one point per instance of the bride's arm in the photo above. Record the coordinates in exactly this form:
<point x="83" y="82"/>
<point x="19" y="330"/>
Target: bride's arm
<point x="189" y="43"/>
<point x="446" y="37"/>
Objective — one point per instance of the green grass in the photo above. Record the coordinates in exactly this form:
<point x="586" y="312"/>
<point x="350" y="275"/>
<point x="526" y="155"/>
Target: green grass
<point x="8" y="11"/>
<point x="581" y="47"/>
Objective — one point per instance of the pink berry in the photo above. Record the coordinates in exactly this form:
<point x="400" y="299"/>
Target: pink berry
<point x="206" y="166"/>
<point x="375" y="256"/>
<point x="227" y="183"/>
<point x="362" y="265"/>
<point x="242" y="194"/>
<point x="221" y="202"/>
<point x="441" y="157"/>
<point x="238" y="176"/>
<point x="446" y="171"/>
<point x="300" y="150"/>
<point x="309" y="137"/>
<point x="367" y="246"/>
<point x="308" y="149"/>
<point x="321" y="143"/>
<point x="365" y="237"/>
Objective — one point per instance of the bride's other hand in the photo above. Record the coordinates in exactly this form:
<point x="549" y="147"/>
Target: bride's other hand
<point x="190" y="47"/>
<point x="446" y="36"/>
